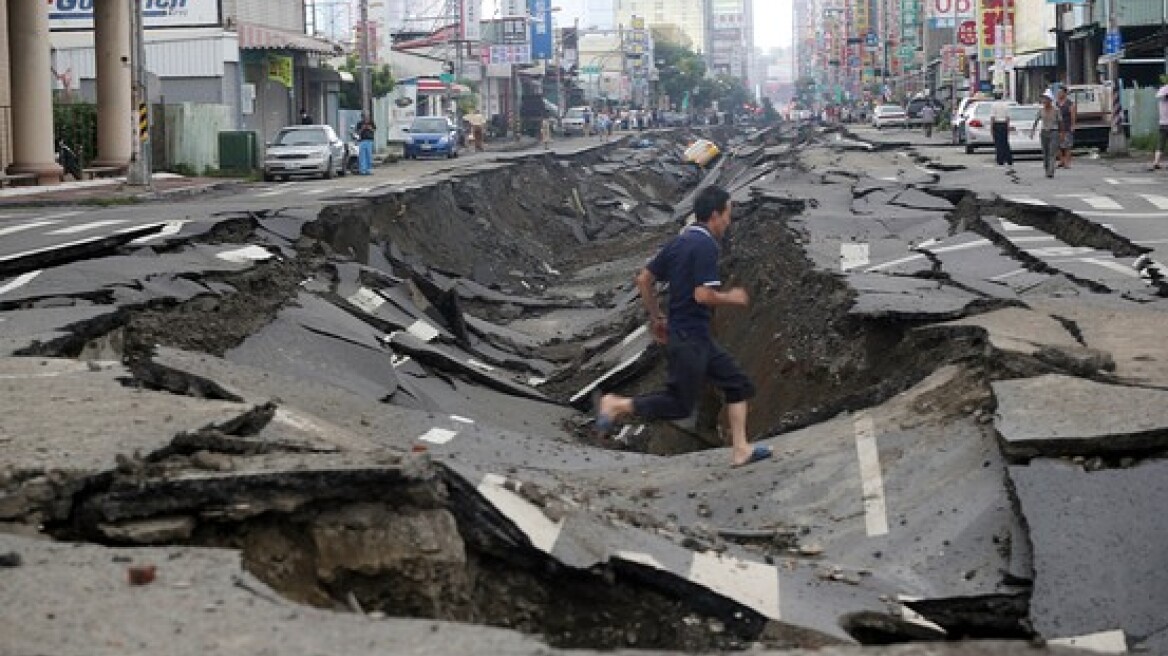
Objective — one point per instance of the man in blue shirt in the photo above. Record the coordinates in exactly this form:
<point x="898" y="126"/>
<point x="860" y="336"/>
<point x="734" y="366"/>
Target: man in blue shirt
<point x="689" y="263"/>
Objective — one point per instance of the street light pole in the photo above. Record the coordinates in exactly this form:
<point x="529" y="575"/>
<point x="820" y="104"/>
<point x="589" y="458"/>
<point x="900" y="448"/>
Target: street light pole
<point x="138" y="172"/>
<point x="366" y="91"/>
<point x="1116" y="140"/>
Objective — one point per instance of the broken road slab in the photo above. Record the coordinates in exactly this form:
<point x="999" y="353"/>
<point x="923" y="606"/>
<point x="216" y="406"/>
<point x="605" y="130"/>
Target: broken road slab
<point x="1057" y="415"/>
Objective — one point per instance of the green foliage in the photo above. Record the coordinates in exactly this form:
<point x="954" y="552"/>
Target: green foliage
<point x="682" y="70"/>
<point x="769" y="114"/>
<point x="380" y="79"/>
<point x="729" y="92"/>
<point x="1145" y="142"/>
<point x="76" y="125"/>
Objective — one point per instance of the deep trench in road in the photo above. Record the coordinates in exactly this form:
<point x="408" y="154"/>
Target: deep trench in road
<point x="539" y="244"/>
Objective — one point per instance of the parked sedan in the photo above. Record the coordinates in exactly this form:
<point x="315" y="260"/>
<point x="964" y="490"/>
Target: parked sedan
<point x="977" y="124"/>
<point x="305" y="150"/>
<point x="886" y="115"/>
<point x="431" y="135"/>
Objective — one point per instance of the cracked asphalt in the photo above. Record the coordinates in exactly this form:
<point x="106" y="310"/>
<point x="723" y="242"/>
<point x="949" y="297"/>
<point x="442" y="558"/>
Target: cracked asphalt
<point x="354" y="417"/>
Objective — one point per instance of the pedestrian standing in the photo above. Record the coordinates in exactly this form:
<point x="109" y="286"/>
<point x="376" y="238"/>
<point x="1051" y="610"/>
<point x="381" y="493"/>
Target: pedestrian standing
<point x="587" y="122"/>
<point x="1000" y="130"/>
<point x="1162" y="103"/>
<point x="305" y="117"/>
<point x="545" y="133"/>
<point x="1066" y="108"/>
<point x="1048" y="120"/>
<point x="689" y="263"/>
<point x="928" y="118"/>
<point x="366" y="131"/>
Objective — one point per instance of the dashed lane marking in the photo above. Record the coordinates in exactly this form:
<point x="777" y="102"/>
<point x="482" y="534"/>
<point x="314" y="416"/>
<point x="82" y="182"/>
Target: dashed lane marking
<point x="1100" y="202"/>
<point x="19" y="281"/>
<point x="752" y="584"/>
<point x="1009" y="274"/>
<point x="853" y="256"/>
<point x="1159" y="202"/>
<point x="317" y="191"/>
<point x="169" y="229"/>
<point x="871" y="480"/>
<point x="1103" y="642"/>
<point x="1112" y="265"/>
<point x="367" y="300"/>
<point x="1130" y="181"/>
<point x="11" y="230"/>
<point x="245" y="254"/>
<point x="85" y="227"/>
<point x="530" y="519"/>
<point x="438" y="435"/>
<point x="462" y="420"/>
<point x="1025" y="200"/>
<point x="1010" y="226"/>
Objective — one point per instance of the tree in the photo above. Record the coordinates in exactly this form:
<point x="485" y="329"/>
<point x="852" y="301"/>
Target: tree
<point x="381" y="81"/>
<point x="728" y="91"/>
<point x="681" y="70"/>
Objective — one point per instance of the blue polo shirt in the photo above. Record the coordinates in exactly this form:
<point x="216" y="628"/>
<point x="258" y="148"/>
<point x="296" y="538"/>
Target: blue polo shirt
<point x="687" y="262"/>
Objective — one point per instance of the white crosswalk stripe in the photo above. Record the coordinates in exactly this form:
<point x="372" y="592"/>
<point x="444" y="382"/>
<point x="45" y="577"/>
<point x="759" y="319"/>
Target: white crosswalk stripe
<point x="1159" y="202"/>
<point x="85" y="227"/>
<point x="11" y="230"/>
<point x="1025" y="200"/>
<point x="1102" y="203"/>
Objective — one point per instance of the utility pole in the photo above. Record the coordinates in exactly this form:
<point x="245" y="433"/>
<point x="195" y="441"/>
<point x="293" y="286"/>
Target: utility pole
<point x="138" y="173"/>
<point x="366" y="90"/>
<point x="1116" y="140"/>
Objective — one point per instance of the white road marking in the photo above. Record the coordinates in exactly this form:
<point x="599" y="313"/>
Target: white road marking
<point x="853" y="256"/>
<point x="641" y="330"/>
<point x="11" y="230"/>
<point x="19" y="281"/>
<point x="976" y="243"/>
<point x="481" y="366"/>
<point x="84" y="227"/>
<point x="1010" y="226"/>
<point x="871" y="481"/>
<point x="542" y="531"/>
<point x="317" y="191"/>
<point x="462" y="420"/>
<point x="438" y="435"/>
<point x="275" y="191"/>
<point x="1009" y="274"/>
<point x="1101" y="202"/>
<point x="915" y="617"/>
<point x="1130" y="181"/>
<point x="1124" y="214"/>
<point x="423" y="331"/>
<point x="1103" y="642"/>
<point x="608" y="374"/>
<point x="752" y="584"/>
<point x="245" y="254"/>
<point x="367" y="300"/>
<point x="1160" y="202"/>
<point x="1025" y="200"/>
<point x="1114" y="266"/>
<point x="640" y="558"/>
<point x="170" y="228"/>
<point x="1059" y="251"/>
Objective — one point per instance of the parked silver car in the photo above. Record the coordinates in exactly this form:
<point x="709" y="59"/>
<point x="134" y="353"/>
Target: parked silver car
<point x="305" y="150"/>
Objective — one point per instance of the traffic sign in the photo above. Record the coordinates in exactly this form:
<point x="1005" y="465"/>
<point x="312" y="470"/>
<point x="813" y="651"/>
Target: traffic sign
<point x="871" y="40"/>
<point x="590" y="70"/>
<point x="446" y="78"/>
<point x="967" y="33"/>
<point x="1112" y="43"/>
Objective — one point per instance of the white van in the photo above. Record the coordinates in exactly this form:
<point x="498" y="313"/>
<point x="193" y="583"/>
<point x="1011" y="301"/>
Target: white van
<point x="573" y="121"/>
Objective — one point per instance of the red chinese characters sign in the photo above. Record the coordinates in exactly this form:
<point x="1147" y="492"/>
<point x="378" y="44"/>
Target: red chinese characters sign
<point x="995" y="27"/>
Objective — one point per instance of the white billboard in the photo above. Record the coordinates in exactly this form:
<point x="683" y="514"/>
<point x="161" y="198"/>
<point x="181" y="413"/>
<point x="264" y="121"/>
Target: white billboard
<point x="78" y="14"/>
<point x="471" y="20"/>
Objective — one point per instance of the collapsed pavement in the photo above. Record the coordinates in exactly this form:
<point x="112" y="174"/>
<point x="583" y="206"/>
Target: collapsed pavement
<point x="382" y="410"/>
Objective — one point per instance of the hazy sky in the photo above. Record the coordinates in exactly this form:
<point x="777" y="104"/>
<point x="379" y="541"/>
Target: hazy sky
<point x="772" y="23"/>
<point x="772" y="18"/>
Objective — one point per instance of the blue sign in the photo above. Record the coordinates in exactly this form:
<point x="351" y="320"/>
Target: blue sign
<point x="1112" y="43"/>
<point x="541" y="28"/>
<point x="871" y="40"/>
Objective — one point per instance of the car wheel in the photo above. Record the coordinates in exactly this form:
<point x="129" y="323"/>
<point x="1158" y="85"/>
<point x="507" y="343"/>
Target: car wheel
<point x="969" y="149"/>
<point x="328" y="170"/>
<point x="268" y="177"/>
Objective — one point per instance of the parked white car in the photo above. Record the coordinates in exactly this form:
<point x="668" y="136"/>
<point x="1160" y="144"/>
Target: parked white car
<point x="573" y="121"/>
<point x="977" y="124"/>
<point x="305" y="150"/>
<point x="886" y="115"/>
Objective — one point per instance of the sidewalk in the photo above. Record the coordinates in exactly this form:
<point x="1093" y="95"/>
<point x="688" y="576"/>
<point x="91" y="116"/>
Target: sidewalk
<point x="109" y="190"/>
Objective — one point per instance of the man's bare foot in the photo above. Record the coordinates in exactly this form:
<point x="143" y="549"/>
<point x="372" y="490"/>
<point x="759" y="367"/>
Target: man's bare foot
<point x="752" y="455"/>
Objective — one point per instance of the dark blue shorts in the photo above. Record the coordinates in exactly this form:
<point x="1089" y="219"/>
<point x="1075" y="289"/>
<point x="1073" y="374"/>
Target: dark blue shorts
<point x="692" y="362"/>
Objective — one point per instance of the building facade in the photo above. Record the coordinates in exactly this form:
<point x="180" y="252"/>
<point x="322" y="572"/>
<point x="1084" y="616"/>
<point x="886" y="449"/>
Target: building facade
<point x="689" y="16"/>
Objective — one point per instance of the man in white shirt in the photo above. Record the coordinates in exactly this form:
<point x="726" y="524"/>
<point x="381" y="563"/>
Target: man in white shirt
<point x="1000" y="129"/>
<point x="1162" y="102"/>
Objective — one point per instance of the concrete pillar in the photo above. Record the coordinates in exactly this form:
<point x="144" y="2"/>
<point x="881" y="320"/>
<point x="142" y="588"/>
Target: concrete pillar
<point x="32" y="92"/>
<point x="116" y="120"/>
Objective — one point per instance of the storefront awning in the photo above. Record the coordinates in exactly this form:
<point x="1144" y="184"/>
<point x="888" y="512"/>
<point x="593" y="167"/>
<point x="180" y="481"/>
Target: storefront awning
<point x="1047" y="58"/>
<point x="258" y="37"/>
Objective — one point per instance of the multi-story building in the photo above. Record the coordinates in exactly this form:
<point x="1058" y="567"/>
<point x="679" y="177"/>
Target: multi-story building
<point x="687" y="15"/>
<point x="730" y="37"/>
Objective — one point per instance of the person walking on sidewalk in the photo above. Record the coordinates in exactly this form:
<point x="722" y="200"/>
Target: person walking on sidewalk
<point x="689" y="263"/>
<point x="1000" y="130"/>
<point x="1066" y="108"/>
<point x="366" y="131"/>
<point x="1162" y="103"/>
<point x="1049" y="118"/>
<point x="928" y="118"/>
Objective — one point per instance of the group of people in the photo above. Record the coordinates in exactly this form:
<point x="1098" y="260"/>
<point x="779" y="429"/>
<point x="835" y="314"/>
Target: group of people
<point x="1056" y="117"/>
